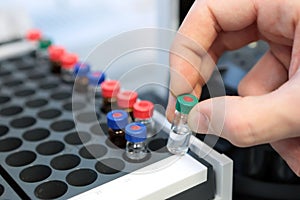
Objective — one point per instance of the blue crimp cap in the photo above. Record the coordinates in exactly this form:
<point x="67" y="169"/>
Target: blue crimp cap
<point x="135" y="132"/>
<point x="81" y="69"/>
<point x="96" y="78"/>
<point x="117" y="119"/>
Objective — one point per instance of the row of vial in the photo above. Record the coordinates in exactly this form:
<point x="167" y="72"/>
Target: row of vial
<point x="130" y="121"/>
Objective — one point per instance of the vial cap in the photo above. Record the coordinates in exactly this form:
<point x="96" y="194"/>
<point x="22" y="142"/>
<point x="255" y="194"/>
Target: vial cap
<point x="110" y="88"/>
<point x="34" y="35"/>
<point x="81" y="69"/>
<point x="143" y="109"/>
<point x="185" y="103"/>
<point x="96" y="78"/>
<point x="68" y="60"/>
<point x="135" y="132"/>
<point x="44" y="43"/>
<point x="117" y="119"/>
<point x="126" y="99"/>
<point x="56" y="52"/>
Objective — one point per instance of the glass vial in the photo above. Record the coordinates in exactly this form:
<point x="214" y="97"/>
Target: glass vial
<point x="42" y="53"/>
<point x="109" y="90"/>
<point x="126" y="100"/>
<point x="95" y="80"/>
<point x="136" y="135"/>
<point x="55" y="55"/>
<point x="143" y="113"/>
<point x="116" y="122"/>
<point x="180" y="134"/>
<point x="68" y="61"/>
<point x="81" y="71"/>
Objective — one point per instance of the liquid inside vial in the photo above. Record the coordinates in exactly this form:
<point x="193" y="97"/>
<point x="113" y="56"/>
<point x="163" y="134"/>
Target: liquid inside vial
<point x="136" y="151"/>
<point x="179" y="139"/>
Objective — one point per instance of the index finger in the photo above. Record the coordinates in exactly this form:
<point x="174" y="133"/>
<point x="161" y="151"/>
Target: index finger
<point x="191" y="65"/>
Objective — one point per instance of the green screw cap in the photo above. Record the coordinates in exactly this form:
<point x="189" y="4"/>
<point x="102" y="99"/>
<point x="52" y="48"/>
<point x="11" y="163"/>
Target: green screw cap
<point x="44" y="43"/>
<point x="185" y="103"/>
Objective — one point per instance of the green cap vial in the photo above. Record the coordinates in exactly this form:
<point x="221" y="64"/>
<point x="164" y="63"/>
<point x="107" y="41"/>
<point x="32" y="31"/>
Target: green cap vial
<point x="44" y="43"/>
<point x="185" y="103"/>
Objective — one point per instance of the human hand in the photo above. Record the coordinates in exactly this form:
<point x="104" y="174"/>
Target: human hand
<point x="267" y="109"/>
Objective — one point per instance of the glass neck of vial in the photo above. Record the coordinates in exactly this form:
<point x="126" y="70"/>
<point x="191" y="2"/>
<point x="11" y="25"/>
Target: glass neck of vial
<point x="180" y="118"/>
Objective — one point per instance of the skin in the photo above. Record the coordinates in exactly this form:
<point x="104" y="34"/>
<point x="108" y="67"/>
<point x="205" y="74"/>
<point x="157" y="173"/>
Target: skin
<point x="267" y="110"/>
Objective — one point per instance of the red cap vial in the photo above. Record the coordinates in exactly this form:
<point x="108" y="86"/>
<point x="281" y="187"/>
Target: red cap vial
<point x="34" y="35"/>
<point x="143" y="109"/>
<point x="68" y="60"/>
<point x="56" y="52"/>
<point x="110" y="88"/>
<point x="127" y="99"/>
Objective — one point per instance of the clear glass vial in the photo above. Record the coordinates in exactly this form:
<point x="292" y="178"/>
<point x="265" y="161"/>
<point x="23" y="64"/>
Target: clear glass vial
<point x="95" y="80"/>
<point x="180" y="134"/>
<point x="109" y="90"/>
<point x="126" y="100"/>
<point x="116" y="122"/>
<point x="136" y="135"/>
<point x="143" y="112"/>
<point x="68" y="61"/>
<point x="81" y="71"/>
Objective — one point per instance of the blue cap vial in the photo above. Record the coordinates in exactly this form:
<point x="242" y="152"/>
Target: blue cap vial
<point x="96" y="78"/>
<point x="81" y="69"/>
<point x="117" y="119"/>
<point x="135" y="132"/>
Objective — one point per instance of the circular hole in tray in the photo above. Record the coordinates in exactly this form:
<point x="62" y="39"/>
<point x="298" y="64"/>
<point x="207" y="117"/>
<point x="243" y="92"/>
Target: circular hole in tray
<point x="13" y="83"/>
<point x="50" y="147"/>
<point x="20" y="158"/>
<point x="11" y="110"/>
<point x="3" y="130"/>
<point x="51" y="190"/>
<point x="77" y="138"/>
<point x="36" y="103"/>
<point x="24" y="93"/>
<point x="36" y="134"/>
<point x="81" y="177"/>
<point x="75" y="106"/>
<point x="87" y="117"/>
<point x="61" y="95"/>
<point x="35" y="173"/>
<point x="62" y="125"/>
<point x="158" y="145"/>
<point x="9" y="144"/>
<point x="65" y="162"/>
<point x="1" y="190"/>
<point x="93" y="151"/>
<point x="23" y="122"/>
<point x="4" y="99"/>
<point x="4" y="73"/>
<point x="48" y="86"/>
<point x="110" y="166"/>
<point x="25" y="67"/>
<point x="36" y="76"/>
<point x="49" y="113"/>
<point x="97" y="129"/>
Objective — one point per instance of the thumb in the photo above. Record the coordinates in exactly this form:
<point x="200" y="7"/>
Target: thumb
<point x="244" y="121"/>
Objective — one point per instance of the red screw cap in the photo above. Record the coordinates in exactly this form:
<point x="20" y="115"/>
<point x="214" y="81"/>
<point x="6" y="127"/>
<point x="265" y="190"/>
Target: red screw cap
<point x="143" y="109"/>
<point x="126" y="99"/>
<point x="34" y="35"/>
<point x="56" y="52"/>
<point x="110" y="88"/>
<point x="68" y="60"/>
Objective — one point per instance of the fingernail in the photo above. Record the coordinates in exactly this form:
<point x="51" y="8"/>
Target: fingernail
<point x="198" y="121"/>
